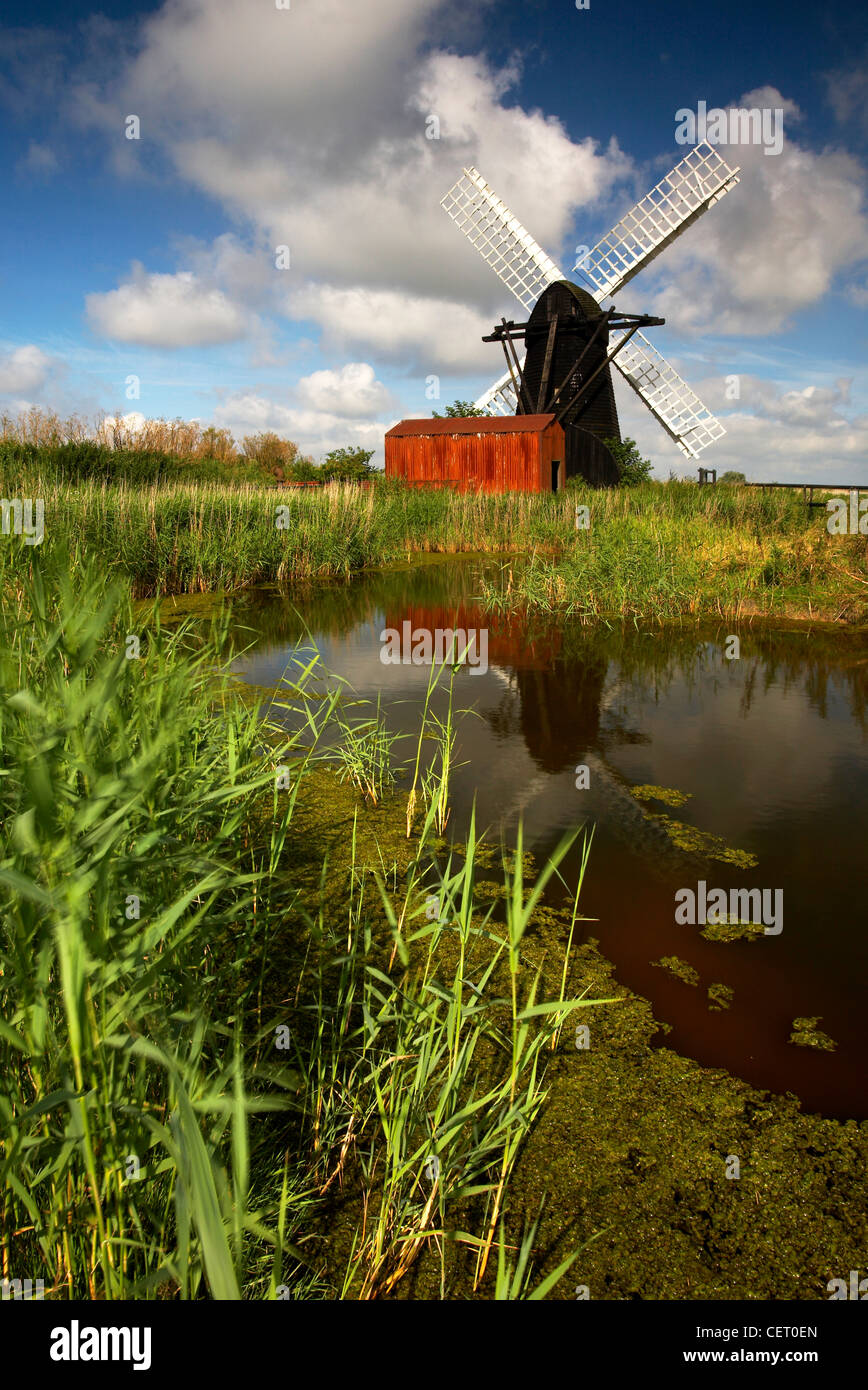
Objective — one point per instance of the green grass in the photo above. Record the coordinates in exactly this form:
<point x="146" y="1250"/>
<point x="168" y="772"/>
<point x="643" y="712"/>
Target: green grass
<point x="662" y="551"/>
<point x="233" y="1035"/>
<point x="179" y="537"/>
<point x="85" y="460"/>
<point x="211" y="1021"/>
<point x="667" y="552"/>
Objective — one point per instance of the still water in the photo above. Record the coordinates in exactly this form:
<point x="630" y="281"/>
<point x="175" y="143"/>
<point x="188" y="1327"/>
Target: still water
<point x="772" y="748"/>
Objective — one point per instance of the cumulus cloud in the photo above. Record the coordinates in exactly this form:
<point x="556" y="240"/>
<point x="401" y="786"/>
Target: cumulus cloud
<point x="422" y="334"/>
<point x="167" y="311"/>
<point x="811" y="405"/>
<point x="858" y="295"/>
<point x="315" y="431"/>
<point x="40" y="161"/>
<point x="766" y="451"/>
<point x="775" y="432"/>
<point x="24" y="370"/>
<point x="132" y="423"/>
<point x="247" y="271"/>
<point x="351" y="391"/>
<point x="847" y="91"/>
<point x="342" y="171"/>
<point x="376" y="221"/>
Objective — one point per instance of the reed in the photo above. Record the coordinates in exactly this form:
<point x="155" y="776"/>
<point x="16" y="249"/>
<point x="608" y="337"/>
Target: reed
<point x="125" y="870"/>
<point x="451" y="1092"/>
<point x="513" y="1278"/>
<point x="125" y="434"/>
<point x="365" y="754"/>
<point x="675" y="551"/>
<point x="174" y="1123"/>
<point x="664" y="551"/>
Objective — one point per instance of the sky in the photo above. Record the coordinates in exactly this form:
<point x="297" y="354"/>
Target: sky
<point x="269" y="253"/>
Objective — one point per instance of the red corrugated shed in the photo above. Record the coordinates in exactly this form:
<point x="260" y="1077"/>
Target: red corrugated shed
<point x="505" y="453"/>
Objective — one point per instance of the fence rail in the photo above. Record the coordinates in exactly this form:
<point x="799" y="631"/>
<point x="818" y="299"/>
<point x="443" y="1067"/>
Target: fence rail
<point x="708" y="478"/>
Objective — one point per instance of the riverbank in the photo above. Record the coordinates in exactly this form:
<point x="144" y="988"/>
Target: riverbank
<point x="670" y="552"/>
<point x="660" y="551"/>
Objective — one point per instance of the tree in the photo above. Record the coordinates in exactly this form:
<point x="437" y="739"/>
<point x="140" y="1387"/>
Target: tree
<point x="634" y="468"/>
<point x="302" y="470"/>
<point x="217" y="444"/>
<point x="272" y="453"/>
<point x="732" y="479"/>
<point x="460" y="410"/>
<point x="347" y="465"/>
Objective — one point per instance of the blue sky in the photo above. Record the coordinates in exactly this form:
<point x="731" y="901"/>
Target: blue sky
<point x="259" y="128"/>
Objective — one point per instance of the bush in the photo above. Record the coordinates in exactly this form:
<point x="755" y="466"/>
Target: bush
<point x="460" y="410"/>
<point x="303" y="470"/>
<point x="275" y="455"/>
<point x="347" y="465"/>
<point x="634" y="468"/>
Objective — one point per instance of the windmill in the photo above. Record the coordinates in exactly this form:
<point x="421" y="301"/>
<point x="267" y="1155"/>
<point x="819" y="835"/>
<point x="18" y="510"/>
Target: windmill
<point x="571" y="341"/>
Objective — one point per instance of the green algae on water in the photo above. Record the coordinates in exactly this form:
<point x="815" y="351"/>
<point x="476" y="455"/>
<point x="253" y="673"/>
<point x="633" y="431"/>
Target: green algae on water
<point x="806" y="1034"/>
<point x="670" y="796"/>
<point x="496" y="857"/>
<point x="486" y="889"/>
<point x="703" y="843"/>
<point x="732" y="929"/>
<point x="636" y="1148"/>
<point x="719" y="996"/>
<point x="681" y="969"/>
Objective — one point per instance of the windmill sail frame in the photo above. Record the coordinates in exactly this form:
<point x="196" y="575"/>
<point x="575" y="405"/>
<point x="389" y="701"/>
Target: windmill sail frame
<point x="673" y="205"/>
<point x="499" y="237"/>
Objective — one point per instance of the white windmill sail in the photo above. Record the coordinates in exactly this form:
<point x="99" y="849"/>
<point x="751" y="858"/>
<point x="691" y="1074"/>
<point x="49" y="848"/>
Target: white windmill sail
<point x="500" y="396"/>
<point x="501" y="240"/>
<point x="694" y="185"/>
<point x="678" y="408"/>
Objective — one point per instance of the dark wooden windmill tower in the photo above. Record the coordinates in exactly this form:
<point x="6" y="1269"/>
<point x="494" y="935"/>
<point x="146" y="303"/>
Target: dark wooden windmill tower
<point x="570" y="340"/>
<point x="567" y="372"/>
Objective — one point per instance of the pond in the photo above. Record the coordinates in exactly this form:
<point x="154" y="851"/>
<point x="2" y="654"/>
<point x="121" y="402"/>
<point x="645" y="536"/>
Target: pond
<point x="770" y="748"/>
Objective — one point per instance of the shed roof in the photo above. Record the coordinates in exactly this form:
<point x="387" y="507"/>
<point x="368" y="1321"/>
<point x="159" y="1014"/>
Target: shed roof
<point x="473" y="424"/>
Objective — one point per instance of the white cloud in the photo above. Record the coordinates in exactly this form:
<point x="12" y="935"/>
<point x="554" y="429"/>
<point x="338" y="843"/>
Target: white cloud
<point x="774" y="432"/>
<point x="810" y="405"/>
<point x="40" y="160"/>
<point x="24" y="369"/>
<point x="318" y="141"/>
<point x="376" y="221"/>
<point x="131" y="423"/>
<point x="247" y="272"/>
<point x="421" y="333"/>
<point x="858" y="295"/>
<point x="847" y="91"/>
<point x="351" y="391"/>
<point x="766" y="451"/>
<point x="315" y="431"/>
<point x="167" y="311"/>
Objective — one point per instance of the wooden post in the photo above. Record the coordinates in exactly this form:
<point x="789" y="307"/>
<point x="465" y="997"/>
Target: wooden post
<point x="547" y="364"/>
<point x="522" y="394"/>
